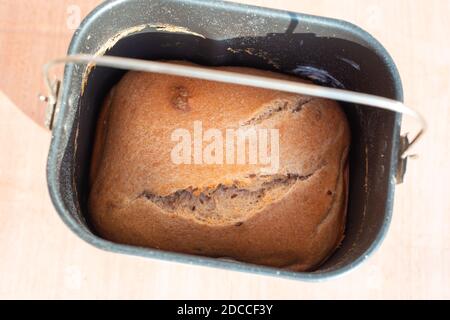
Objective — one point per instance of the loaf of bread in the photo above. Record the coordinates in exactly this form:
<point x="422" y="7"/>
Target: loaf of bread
<point x="146" y="190"/>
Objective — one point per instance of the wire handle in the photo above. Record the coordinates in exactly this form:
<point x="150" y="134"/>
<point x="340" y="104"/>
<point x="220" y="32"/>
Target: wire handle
<point x="199" y="72"/>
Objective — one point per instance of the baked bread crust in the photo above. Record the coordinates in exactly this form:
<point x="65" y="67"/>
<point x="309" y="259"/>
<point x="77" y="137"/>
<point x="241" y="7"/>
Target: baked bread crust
<point x="293" y="220"/>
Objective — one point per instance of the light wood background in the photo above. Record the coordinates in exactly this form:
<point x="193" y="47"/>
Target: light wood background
<point x="41" y="258"/>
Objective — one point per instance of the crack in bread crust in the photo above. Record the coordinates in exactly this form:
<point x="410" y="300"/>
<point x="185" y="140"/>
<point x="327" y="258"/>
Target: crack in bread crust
<point x="227" y="203"/>
<point x="276" y="107"/>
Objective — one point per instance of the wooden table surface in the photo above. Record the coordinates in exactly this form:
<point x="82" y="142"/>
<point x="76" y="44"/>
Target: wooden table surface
<point x="41" y="258"/>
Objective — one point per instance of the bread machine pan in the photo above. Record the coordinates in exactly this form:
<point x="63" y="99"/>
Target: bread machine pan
<point x="327" y="51"/>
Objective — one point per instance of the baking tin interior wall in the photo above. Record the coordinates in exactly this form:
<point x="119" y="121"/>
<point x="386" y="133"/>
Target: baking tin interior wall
<point x="327" y="60"/>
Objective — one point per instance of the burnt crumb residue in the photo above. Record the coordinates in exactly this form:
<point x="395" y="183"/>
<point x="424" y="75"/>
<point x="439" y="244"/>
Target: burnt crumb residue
<point x="180" y="98"/>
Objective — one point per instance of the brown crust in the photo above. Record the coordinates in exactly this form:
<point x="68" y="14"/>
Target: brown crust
<point x="100" y="136"/>
<point x="134" y="200"/>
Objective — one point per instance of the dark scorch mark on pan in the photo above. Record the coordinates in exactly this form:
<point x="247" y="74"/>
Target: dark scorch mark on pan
<point x="318" y="76"/>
